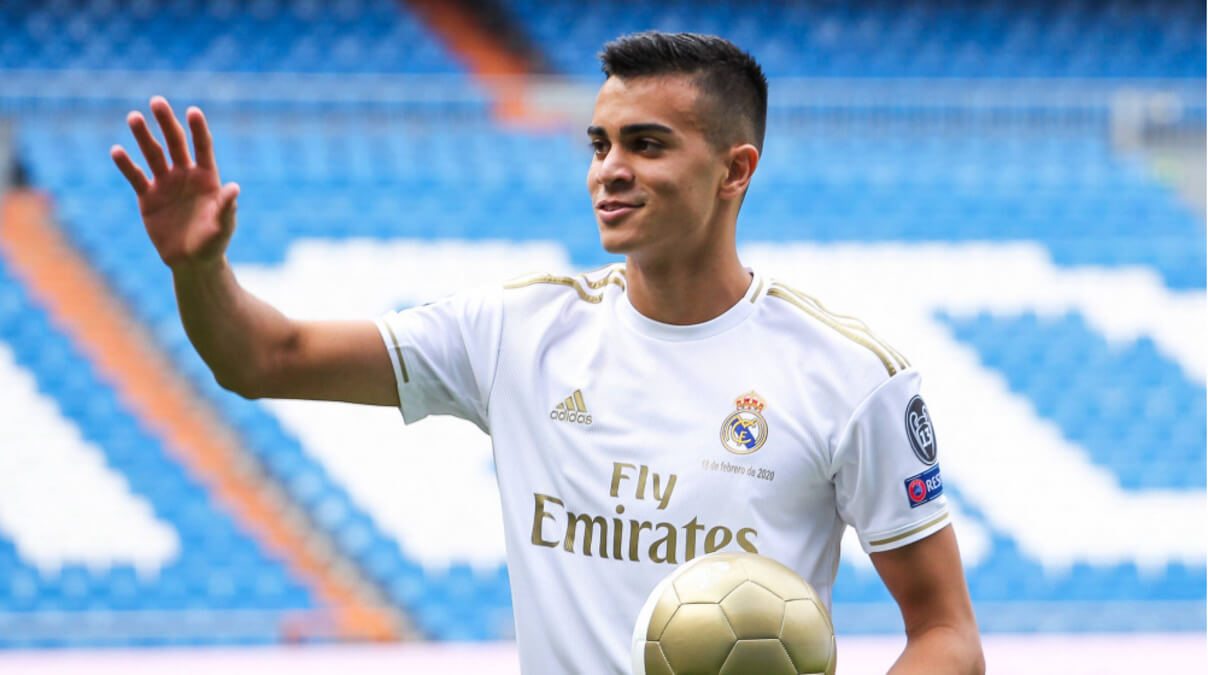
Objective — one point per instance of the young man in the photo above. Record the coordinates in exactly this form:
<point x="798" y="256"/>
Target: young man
<point x="643" y="414"/>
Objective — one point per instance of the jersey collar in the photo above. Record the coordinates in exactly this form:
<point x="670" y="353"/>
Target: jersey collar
<point x="638" y="322"/>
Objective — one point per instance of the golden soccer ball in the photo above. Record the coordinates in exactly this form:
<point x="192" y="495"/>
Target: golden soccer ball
<point x="733" y="614"/>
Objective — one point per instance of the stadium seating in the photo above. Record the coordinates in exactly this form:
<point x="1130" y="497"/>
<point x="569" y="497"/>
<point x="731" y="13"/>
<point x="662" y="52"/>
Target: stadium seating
<point x="216" y="567"/>
<point x="309" y="172"/>
<point x="267" y="36"/>
<point x="1113" y="401"/>
<point x="918" y="38"/>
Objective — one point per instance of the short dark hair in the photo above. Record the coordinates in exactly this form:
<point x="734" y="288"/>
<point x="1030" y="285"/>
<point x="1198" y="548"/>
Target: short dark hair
<point x="730" y="77"/>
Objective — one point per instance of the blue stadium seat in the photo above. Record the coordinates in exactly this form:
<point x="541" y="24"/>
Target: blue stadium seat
<point x="296" y="36"/>
<point x="916" y="38"/>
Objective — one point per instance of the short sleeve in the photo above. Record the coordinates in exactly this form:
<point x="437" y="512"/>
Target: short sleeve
<point x="444" y="355"/>
<point x="886" y="470"/>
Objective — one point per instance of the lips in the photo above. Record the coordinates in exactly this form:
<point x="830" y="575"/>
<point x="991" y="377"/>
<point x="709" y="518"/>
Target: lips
<point x="613" y="211"/>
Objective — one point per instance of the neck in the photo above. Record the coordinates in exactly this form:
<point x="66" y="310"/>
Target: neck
<point x="686" y="290"/>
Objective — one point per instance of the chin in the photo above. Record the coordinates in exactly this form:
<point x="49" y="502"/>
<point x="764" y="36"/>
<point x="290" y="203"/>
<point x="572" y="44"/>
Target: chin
<point x="616" y="241"/>
<point x="613" y="247"/>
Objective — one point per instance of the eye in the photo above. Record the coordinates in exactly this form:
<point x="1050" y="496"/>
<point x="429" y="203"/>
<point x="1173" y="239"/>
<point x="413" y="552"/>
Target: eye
<point x="598" y="147"/>
<point x="646" y="145"/>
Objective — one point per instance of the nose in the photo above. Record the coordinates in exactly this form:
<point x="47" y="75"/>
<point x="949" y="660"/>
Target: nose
<point x="613" y="170"/>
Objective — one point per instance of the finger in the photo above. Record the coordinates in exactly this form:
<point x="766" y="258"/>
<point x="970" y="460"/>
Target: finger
<point x="226" y="198"/>
<point x="203" y="144"/>
<point x="133" y="174"/>
<point x="174" y="134"/>
<point x="152" y="151"/>
<point x="227" y="206"/>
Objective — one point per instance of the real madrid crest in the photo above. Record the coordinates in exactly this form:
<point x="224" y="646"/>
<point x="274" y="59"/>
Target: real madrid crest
<point x="745" y="430"/>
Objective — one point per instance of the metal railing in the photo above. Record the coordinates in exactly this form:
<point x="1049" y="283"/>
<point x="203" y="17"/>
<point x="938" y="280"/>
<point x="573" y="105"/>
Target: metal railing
<point x="1002" y="99"/>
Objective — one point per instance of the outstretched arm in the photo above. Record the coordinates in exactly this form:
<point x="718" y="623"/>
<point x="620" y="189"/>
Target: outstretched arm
<point x="252" y="348"/>
<point x="928" y="583"/>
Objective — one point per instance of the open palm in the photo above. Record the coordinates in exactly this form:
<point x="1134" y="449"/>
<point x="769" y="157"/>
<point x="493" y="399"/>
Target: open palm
<point x="189" y="214"/>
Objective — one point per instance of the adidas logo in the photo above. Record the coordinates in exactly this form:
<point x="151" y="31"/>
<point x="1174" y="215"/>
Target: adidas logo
<point x="573" y="409"/>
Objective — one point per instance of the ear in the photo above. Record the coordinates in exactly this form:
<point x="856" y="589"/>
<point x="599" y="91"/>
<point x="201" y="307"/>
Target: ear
<point x="741" y="163"/>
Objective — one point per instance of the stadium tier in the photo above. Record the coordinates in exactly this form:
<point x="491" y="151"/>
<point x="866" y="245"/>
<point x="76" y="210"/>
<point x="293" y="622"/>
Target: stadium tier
<point x="190" y="556"/>
<point x="330" y="37"/>
<point x="816" y="38"/>
<point x="1056" y="361"/>
<point x="917" y="38"/>
<point x="1070" y="191"/>
<point x="379" y="196"/>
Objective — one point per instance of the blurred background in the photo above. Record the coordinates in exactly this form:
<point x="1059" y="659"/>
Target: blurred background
<point x="1011" y="192"/>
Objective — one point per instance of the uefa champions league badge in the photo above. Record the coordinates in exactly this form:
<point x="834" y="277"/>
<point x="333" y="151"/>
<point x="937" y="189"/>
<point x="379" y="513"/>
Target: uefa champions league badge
<point x="924" y="487"/>
<point x="745" y="430"/>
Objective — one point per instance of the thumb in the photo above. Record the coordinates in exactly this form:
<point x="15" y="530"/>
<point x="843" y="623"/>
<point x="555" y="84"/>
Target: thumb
<point x="227" y="206"/>
<point x="226" y="197"/>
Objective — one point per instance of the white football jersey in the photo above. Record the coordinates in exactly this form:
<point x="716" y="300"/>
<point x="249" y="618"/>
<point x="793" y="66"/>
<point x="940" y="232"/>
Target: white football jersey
<point x="625" y="447"/>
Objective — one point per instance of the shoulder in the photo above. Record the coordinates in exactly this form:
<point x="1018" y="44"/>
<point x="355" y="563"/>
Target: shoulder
<point x="847" y="340"/>
<point x="590" y="288"/>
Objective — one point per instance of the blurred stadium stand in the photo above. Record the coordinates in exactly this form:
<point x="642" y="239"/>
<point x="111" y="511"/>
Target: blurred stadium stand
<point x="263" y="36"/>
<point x="916" y="38"/>
<point x="204" y="562"/>
<point x="350" y="120"/>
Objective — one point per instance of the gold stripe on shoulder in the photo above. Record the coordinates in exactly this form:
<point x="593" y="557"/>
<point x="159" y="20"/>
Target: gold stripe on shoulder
<point x="521" y="282"/>
<point x="857" y="323"/>
<point x="758" y="290"/>
<point x="847" y="331"/>
<point x="850" y="321"/>
<point x="580" y="285"/>
<point x="931" y="523"/>
<point x="605" y="272"/>
<point x="615" y="275"/>
<point x="561" y="281"/>
<point x="604" y="281"/>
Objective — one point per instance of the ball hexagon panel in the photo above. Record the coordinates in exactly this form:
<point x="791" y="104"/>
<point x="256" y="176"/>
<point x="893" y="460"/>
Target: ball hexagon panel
<point x="807" y="635"/>
<point x="709" y="580"/>
<point x="698" y="639"/>
<point x="758" y="657"/>
<point x="664" y="609"/>
<point x="754" y="612"/>
<point x="775" y="577"/>
<point x="655" y="661"/>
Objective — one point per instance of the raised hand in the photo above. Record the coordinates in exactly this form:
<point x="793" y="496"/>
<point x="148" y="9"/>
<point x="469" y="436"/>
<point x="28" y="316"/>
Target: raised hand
<point x="189" y="214"/>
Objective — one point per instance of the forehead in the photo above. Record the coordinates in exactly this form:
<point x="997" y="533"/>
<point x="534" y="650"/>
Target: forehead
<point x="666" y="99"/>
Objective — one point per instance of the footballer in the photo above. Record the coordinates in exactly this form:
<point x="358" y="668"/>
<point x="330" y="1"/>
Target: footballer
<point x="642" y="414"/>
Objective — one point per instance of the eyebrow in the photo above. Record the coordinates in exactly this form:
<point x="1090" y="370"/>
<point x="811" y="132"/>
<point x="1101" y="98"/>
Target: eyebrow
<point x="630" y="129"/>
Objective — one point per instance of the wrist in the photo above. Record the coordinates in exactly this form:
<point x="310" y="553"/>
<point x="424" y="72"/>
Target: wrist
<point x="184" y="270"/>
